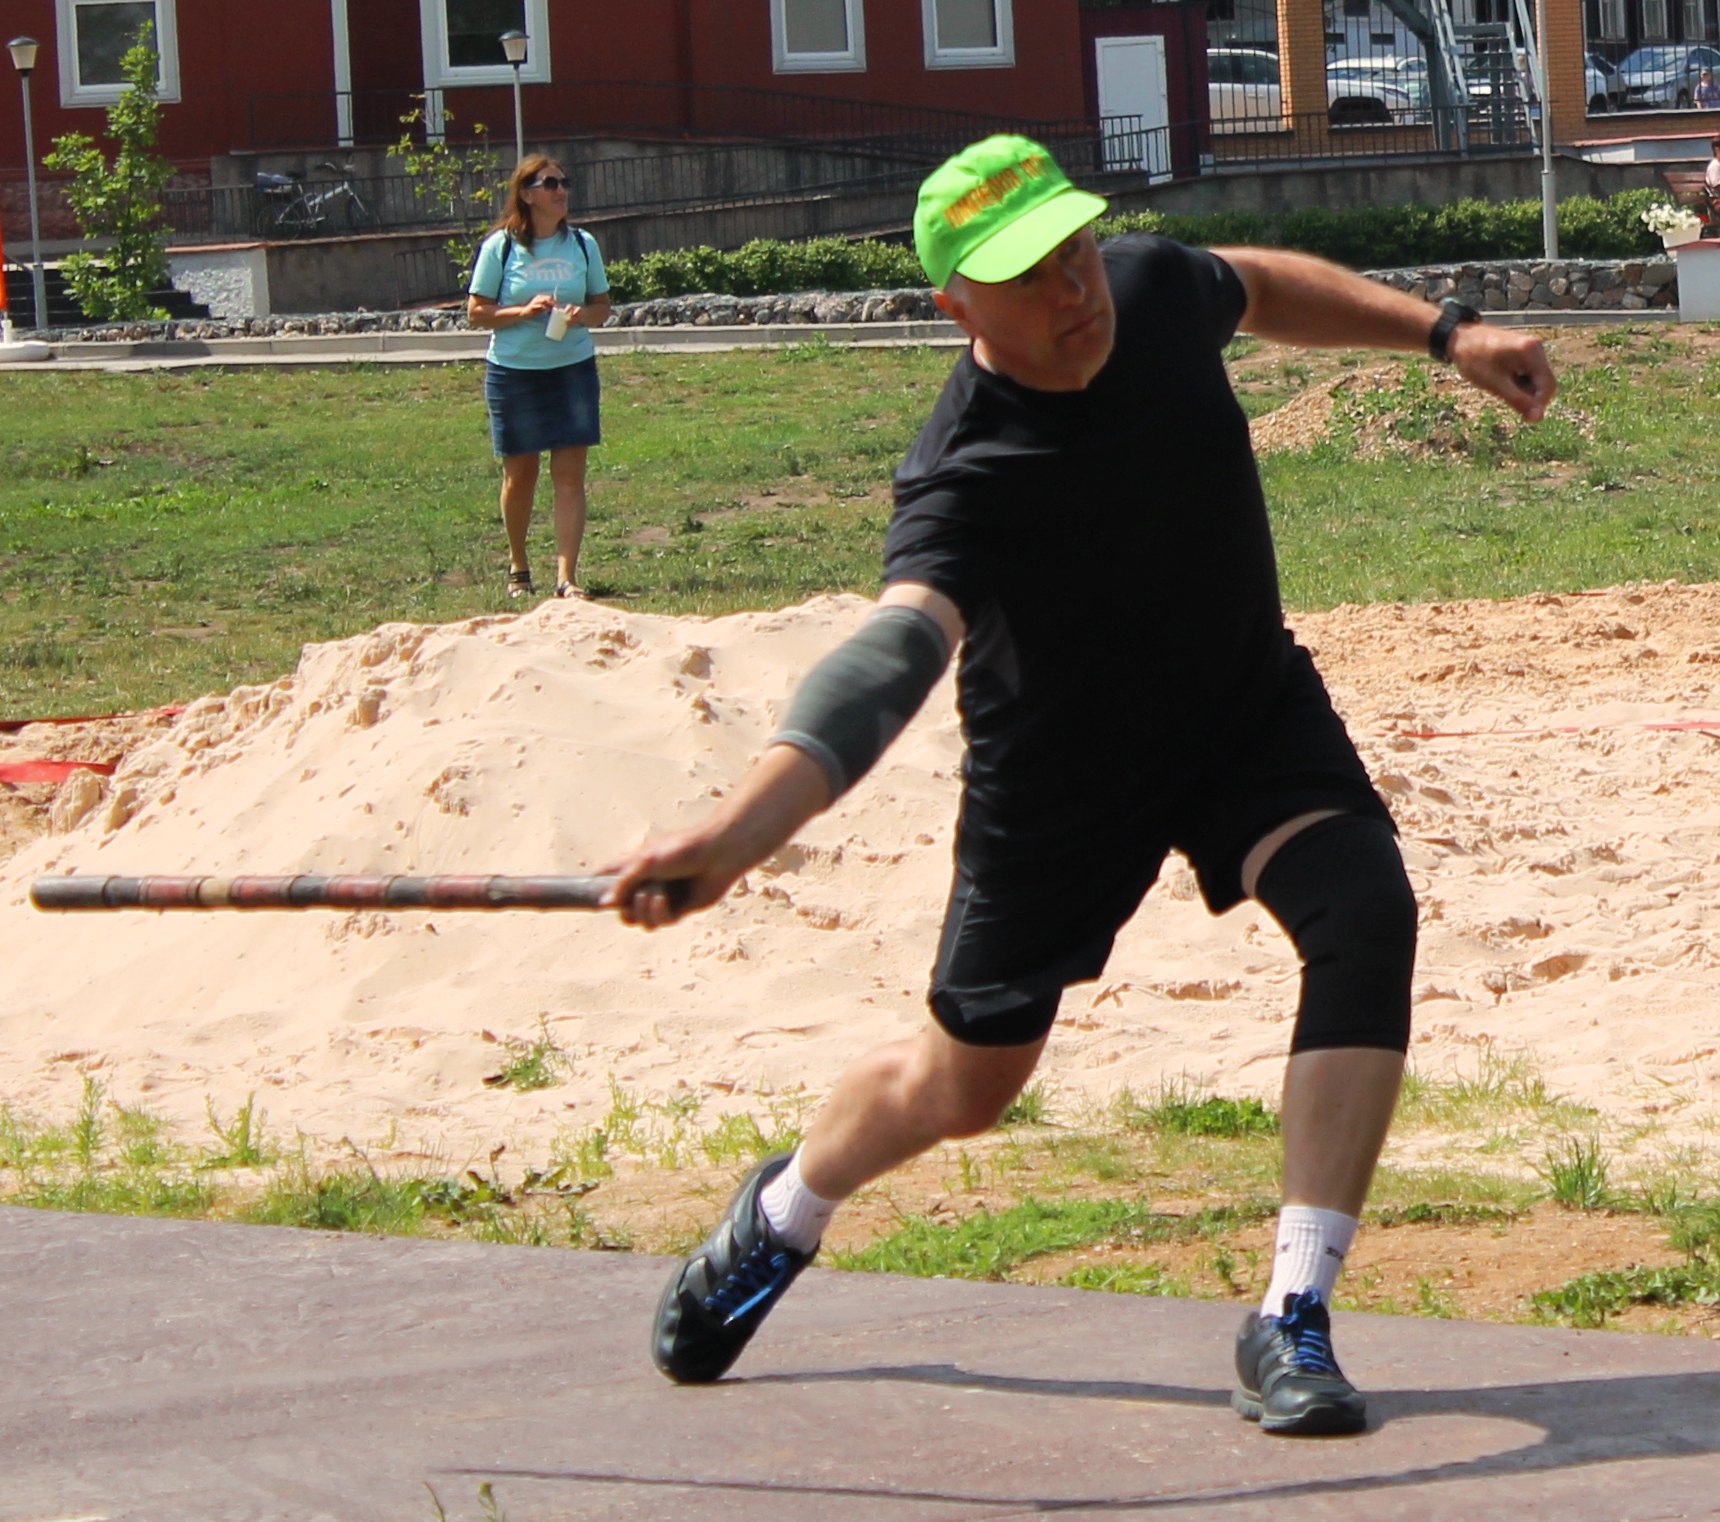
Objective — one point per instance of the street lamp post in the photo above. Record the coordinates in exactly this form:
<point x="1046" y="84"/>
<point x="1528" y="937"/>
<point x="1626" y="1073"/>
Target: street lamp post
<point x="23" y="51"/>
<point x="514" y="44"/>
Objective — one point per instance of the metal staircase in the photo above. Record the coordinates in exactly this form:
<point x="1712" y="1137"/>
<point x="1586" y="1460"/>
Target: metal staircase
<point x="1500" y="68"/>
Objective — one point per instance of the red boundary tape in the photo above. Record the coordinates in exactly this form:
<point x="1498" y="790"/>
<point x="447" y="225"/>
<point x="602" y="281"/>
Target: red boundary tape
<point x="12" y="726"/>
<point x="1711" y="726"/>
<point x="50" y="771"/>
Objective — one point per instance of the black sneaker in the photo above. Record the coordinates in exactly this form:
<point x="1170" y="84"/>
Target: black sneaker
<point x="1287" y="1378"/>
<point x="718" y="1297"/>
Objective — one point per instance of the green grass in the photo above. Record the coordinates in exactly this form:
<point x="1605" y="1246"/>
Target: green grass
<point x="164" y="535"/>
<point x="1177" y="1110"/>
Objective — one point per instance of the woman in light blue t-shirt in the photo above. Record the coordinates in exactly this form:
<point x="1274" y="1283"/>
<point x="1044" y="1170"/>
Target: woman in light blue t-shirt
<point x="538" y="285"/>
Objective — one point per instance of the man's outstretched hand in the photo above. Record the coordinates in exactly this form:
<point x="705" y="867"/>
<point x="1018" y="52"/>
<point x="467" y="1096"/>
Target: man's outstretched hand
<point x="1510" y="364"/>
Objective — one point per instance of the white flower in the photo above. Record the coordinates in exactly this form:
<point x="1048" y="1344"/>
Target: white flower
<point x="1662" y="218"/>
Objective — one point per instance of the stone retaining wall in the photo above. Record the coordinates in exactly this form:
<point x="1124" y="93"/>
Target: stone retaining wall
<point x="1525" y="286"/>
<point x="1541" y="285"/>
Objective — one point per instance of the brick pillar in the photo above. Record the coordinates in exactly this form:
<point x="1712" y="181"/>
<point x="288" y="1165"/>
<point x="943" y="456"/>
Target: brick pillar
<point x="1567" y="100"/>
<point x="1302" y="69"/>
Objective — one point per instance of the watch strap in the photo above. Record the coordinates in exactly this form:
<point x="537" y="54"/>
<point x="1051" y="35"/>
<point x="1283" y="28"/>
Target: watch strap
<point x="1451" y="316"/>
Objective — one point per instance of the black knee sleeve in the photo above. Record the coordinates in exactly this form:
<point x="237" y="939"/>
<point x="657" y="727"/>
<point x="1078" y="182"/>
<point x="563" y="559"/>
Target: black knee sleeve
<point x="1340" y="892"/>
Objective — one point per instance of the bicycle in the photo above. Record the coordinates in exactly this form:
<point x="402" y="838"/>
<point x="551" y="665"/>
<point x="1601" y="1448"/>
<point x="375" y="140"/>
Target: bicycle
<point x="291" y="210"/>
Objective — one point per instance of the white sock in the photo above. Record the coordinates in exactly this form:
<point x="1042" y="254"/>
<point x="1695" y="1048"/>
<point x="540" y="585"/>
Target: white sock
<point x="795" y="1213"/>
<point x="1312" y="1244"/>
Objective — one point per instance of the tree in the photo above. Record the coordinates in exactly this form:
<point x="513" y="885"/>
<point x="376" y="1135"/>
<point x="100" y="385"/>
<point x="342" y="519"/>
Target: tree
<point x="120" y="204"/>
<point x="462" y="188"/>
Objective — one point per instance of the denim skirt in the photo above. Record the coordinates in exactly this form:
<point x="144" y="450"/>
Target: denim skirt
<point x="535" y="410"/>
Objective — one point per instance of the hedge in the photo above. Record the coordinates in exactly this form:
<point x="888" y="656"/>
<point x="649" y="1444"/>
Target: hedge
<point x="1365" y="237"/>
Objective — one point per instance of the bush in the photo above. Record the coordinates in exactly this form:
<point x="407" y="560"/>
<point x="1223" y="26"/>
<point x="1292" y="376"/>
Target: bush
<point x="763" y="268"/>
<point x="1363" y="237"/>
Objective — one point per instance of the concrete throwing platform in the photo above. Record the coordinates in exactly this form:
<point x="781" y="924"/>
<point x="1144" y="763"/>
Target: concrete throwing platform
<point x="195" y="1372"/>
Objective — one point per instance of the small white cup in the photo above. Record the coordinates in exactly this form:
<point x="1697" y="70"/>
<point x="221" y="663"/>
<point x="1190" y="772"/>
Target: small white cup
<point x="556" y="328"/>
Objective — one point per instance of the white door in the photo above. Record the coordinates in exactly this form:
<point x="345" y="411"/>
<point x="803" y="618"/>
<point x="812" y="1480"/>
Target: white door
<point x="1134" y="109"/>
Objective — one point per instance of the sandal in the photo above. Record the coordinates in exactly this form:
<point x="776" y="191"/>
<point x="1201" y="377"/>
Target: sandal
<point x="520" y="584"/>
<point x="572" y="589"/>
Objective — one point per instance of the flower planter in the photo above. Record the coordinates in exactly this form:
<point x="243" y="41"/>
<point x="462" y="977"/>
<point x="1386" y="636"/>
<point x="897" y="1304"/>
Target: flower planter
<point x="1699" y="281"/>
<point x="1673" y="237"/>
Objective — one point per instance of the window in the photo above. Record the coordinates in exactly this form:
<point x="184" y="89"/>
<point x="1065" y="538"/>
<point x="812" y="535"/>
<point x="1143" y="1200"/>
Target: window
<point x="969" y="34"/>
<point x="463" y="41"/>
<point x="1654" y="19"/>
<point x="1693" y="30"/>
<point x="812" y="36"/>
<point x="1612" y="20"/>
<point x="94" y="35"/>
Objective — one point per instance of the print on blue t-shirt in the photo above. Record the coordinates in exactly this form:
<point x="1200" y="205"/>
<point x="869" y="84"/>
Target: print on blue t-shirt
<point x="568" y="267"/>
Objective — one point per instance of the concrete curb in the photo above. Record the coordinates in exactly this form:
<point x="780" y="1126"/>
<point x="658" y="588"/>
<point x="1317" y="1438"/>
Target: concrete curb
<point x="467" y="347"/>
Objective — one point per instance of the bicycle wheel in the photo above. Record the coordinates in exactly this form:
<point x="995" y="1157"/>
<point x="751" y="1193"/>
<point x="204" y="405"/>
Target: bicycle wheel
<point x="291" y="220"/>
<point x="361" y="216"/>
<point x="269" y="219"/>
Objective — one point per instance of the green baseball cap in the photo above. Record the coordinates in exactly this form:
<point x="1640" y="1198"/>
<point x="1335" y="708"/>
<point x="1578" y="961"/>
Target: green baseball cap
<point x="995" y="209"/>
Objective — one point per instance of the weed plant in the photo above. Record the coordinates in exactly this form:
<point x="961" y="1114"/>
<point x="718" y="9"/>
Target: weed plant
<point x="536" y="1064"/>
<point x="1576" y="1172"/>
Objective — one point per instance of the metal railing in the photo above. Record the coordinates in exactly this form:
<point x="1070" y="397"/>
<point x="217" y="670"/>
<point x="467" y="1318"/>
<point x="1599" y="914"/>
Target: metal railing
<point x="1474" y="130"/>
<point x="311" y="119"/>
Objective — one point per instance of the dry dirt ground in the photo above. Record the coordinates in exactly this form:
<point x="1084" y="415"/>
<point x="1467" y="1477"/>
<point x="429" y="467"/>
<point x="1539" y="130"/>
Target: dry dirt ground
<point x="1484" y="1271"/>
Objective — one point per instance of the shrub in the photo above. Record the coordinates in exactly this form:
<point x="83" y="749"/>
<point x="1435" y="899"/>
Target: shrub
<point x="1363" y="237"/>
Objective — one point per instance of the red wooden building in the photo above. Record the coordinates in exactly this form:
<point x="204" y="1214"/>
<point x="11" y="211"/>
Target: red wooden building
<point x="292" y="74"/>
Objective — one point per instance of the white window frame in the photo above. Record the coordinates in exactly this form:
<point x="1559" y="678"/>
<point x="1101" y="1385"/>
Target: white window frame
<point x="1000" y="57"/>
<point x="853" y="61"/>
<point x="1612" y="20"/>
<point x="439" y="74"/>
<point x="73" y="92"/>
<point x="1654" y="21"/>
<point x="1693" y="31"/>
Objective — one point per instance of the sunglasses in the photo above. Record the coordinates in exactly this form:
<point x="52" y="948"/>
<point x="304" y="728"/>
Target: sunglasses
<point x="550" y="182"/>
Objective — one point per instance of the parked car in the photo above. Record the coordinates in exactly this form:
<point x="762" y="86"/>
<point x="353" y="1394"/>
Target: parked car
<point x="1383" y="89"/>
<point x="1242" y="91"/>
<point x="1665" y="74"/>
<point x="1602" y="84"/>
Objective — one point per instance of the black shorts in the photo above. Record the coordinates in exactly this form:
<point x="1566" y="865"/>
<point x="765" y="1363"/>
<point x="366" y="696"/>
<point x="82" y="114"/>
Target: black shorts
<point x="1016" y="936"/>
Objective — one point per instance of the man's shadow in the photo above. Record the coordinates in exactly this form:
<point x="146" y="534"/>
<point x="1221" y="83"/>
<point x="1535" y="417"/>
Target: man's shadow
<point x="1581" y="1422"/>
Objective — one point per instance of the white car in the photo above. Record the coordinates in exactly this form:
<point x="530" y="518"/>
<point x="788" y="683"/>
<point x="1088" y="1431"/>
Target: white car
<point x="1244" y="93"/>
<point x="1383" y="89"/>
<point x="1601" y="84"/>
<point x="1242" y="90"/>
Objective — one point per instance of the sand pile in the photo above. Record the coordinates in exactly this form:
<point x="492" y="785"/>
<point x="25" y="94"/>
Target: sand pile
<point x="1553" y="764"/>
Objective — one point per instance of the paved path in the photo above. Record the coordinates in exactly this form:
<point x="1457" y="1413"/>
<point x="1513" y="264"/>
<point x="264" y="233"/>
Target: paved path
<point x="195" y="1372"/>
<point x="464" y="347"/>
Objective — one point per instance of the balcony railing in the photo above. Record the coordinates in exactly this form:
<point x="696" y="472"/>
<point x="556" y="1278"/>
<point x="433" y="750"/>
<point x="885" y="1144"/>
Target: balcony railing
<point x="734" y="177"/>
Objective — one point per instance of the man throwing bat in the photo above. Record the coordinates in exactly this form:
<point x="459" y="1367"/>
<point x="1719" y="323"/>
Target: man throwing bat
<point x="1082" y="519"/>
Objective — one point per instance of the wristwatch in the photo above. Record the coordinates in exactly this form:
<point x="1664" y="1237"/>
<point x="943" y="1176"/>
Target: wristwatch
<point x="1450" y="315"/>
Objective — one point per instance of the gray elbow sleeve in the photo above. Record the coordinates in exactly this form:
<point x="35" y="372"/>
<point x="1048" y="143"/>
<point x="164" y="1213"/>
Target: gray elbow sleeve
<point x="856" y="700"/>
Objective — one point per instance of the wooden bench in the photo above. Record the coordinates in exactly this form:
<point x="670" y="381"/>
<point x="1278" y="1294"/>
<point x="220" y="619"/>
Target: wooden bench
<point x="1689" y="187"/>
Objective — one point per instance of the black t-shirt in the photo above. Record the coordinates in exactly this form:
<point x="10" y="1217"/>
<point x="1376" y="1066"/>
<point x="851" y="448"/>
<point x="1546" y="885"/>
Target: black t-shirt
<point x="1110" y="553"/>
